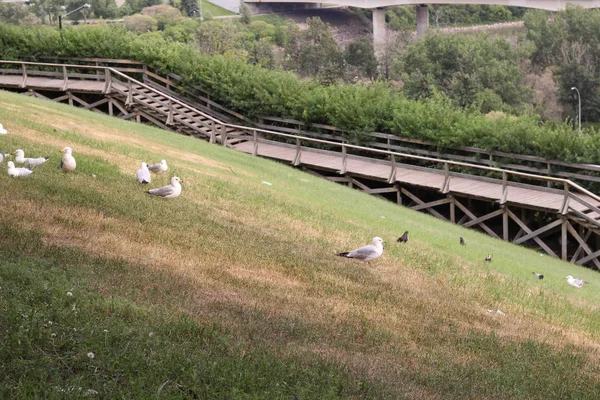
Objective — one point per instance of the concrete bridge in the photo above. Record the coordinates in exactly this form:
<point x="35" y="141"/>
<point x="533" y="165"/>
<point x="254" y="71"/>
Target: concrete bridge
<point x="378" y="6"/>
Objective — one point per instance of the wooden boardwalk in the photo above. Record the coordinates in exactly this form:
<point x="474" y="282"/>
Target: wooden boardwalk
<point x="507" y="208"/>
<point x="530" y="196"/>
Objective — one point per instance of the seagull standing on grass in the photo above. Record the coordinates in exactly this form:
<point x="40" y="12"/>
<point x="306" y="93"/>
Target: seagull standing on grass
<point x="68" y="163"/>
<point x="168" y="192"/>
<point x="578" y="283"/>
<point x="159" y="168"/>
<point x="539" y="276"/>
<point x="32" y="162"/>
<point x="143" y="175"/>
<point x="366" y="253"/>
<point x="12" y="171"/>
<point x="2" y="130"/>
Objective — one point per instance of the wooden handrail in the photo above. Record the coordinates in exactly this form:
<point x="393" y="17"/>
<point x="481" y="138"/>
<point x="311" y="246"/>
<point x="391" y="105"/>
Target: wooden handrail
<point x="112" y="73"/>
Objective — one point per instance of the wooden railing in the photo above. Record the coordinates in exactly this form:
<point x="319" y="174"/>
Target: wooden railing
<point x="197" y="97"/>
<point x="117" y="81"/>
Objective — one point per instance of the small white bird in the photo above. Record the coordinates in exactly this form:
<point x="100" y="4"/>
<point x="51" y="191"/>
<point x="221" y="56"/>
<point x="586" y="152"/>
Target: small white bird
<point x="143" y="175"/>
<point x="32" y="162"/>
<point x="168" y="192"/>
<point x="2" y="130"/>
<point x="366" y="253"/>
<point x="67" y="163"/>
<point x="159" y="168"/>
<point x="12" y="171"/>
<point x="539" y="276"/>
<point x="578" y="283"/>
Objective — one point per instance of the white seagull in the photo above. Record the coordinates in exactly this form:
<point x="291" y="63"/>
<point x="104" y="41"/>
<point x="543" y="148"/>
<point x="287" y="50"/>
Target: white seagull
<point x="578" y="283"/>
<point x="67" y="163"/>
<point x="2" y="130"/>
<point x="168" y="192"/>
<point x="366" y="253"/>
<point x="159" y="168"/>
<point x="143" y="175"/>
<point x="32" y="162"/>
<point x="12" y="171"/>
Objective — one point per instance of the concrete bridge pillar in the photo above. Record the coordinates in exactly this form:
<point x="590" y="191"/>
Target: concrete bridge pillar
<point x="422" y="19"/>
<point x="379" y="31"/>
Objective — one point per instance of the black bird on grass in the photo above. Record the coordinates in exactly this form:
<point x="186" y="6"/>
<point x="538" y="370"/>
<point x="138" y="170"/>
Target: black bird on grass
<point x="488" y="258"/>
<point x="539" y="276"/>
<point x="403" y="238"/>
<point x="462" y="242"/>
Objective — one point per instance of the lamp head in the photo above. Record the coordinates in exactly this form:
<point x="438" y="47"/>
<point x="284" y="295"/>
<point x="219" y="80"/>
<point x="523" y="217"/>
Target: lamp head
<point x="573" y="88"/>
<point x="86" y="5"/>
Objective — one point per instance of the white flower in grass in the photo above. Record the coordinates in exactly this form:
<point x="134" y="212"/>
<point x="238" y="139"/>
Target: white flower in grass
<point x="106" y="331"/>
<point x="91" y="355"/>
<point x="90" y="392"/>
<point x="53" y="335"/>
<point x="69" y="294"/>
<point x="49" y="323"/>
<point x="151" y="334"/>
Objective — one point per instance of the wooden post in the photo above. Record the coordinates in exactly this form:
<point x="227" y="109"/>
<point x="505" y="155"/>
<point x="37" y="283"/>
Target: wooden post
<point x="344" y="160"/>
<point x="170" y="116"/>
<point x="129" y="100"/>
<point x="24" y="68"/>
<point x="392" y="177"/>
<point x="255" y="150"/>
<point x="297" y="158"/>
<point x="138" y="117"/>
<point x="548" y="183"/>
<point x="107" y="81"/>
<point x="446" y="186"/>
<point x="505" y="234"/>
<point x="110" y="108"/>
<point x="223" y="135"/>
<point x="565" y="206"/>
<point x="563" y="239"/>
<point x="452" y="210"/>
<point x="504" y="188"/>
<point x="213" y="134"/>
<point x="70" y="96"/>
<point x="65" y="78"/>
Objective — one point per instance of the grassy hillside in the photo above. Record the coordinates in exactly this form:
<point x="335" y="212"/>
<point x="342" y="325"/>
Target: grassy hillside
<point x="233" y="291"/>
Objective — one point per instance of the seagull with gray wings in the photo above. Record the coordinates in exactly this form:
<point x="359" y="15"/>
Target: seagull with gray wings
<point x="168" y="192"/>
<point x="366" y="253"/>
<point x="578" y="283"/>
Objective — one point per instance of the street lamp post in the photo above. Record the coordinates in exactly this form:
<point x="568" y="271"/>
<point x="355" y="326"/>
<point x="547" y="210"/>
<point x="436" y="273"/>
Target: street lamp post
<point x="578" y="98"/>
<point x="60" y="17"/>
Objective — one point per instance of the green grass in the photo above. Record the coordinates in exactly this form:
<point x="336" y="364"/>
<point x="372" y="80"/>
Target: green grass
<point x="214" y="10"/>
<point x="273" y="19"/>
<point x="238" y="283"/>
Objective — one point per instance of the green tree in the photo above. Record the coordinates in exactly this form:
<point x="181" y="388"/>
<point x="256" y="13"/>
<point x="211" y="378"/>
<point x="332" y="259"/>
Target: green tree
<point x="245" y="13"/>
<point x="461" y="66"/>
<point x="360" y="54"/>
<point x="314" y="52"/>
<point x="191" y="7"/>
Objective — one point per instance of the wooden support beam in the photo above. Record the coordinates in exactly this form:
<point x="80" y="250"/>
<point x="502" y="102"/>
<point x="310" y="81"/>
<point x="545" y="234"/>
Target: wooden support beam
<point x="78" y="100"/>
<point x="534" y="235"/>
<point x="582" y="244"/>
<point x="38" y="95"/>
<point x="419" y="202"/>
<point x="70" y="97"/>
<point x="344" y="179"/>
<point x="474" y="217"/>
<point x="432" y="204"/>
<point x="586" y="236"/>
<point x="462" y="220"/>
<point x="452" y="210"/>
<point x="382" y="190"/>
<point x="483" y="218"/>
<point x="590" y="257"/>
<point x="98" y="103"/>
<point x="61" y="98"/>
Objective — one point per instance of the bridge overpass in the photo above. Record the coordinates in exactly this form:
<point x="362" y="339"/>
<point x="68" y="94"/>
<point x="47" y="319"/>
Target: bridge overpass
<point x="378" y="6"/>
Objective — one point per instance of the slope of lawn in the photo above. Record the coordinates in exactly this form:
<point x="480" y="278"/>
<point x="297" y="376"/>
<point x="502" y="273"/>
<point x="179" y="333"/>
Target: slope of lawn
<point x="233" y="290"/>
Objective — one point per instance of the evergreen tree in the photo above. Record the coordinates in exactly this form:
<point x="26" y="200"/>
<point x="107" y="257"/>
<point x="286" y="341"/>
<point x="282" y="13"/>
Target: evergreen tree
<point x="191" y="7"/>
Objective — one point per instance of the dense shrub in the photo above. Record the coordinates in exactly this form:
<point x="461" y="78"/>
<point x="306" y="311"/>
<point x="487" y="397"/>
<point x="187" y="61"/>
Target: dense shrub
<point x="255" y="91"/>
